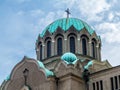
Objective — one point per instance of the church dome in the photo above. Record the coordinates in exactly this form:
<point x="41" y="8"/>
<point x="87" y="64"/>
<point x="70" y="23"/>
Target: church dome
<point x="65" y="24"/>
<point x="69" y="57"/>
<point x="68" y="35"/>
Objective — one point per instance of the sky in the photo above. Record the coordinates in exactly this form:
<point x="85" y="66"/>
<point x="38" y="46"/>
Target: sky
<point x="21" y="21"/>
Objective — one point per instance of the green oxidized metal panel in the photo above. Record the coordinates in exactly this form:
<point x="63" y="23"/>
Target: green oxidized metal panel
<point x="47" y="72"/>
<point x="69" y="58"/>
<point x="65" y="24"/>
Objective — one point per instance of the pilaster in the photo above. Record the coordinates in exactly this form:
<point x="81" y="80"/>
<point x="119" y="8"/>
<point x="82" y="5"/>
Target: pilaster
<point x="90" y="48"/>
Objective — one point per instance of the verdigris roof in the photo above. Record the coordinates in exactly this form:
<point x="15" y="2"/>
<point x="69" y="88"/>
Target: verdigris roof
<point x="65" y="24"/>
<point x="69" y="58"/>
<point x="47" y="72"/>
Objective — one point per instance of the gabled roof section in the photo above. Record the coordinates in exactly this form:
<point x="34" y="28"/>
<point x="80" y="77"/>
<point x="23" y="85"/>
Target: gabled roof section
<point x="65" y="24"/>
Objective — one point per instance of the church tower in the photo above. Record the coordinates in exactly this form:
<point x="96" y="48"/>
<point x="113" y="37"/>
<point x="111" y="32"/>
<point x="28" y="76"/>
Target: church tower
<point x="68" y="35"/>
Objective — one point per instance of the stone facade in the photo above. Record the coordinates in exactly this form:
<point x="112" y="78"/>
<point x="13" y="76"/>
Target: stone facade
<point x="78" y="35"/>
<point x="105" y="76"/>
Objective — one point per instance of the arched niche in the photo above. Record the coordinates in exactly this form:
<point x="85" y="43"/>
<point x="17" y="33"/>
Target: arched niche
<point x="59" y="44"/>
<point x="84" y="44"/>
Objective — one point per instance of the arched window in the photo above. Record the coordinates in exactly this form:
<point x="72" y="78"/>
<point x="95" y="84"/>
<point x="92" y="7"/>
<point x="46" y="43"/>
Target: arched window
<point x="48" y="48"/>
<point x="72" y="44"/>
<point x="93" y="49"/>
<point x="84" y="46"/>
<point x="59" y="46"/>
<point x="41" y="52"/>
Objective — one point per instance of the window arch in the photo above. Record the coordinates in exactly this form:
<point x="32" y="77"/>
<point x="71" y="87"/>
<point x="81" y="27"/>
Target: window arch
<point x="72" y="44"/>
<point x="48" y="48"/>
<point x="40" y="51"/>
<point x="84" y="46"/>
<point x="59" y="46"/>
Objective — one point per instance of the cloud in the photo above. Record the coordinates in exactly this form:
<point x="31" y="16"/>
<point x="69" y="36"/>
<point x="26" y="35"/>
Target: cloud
<point x="33" y="13"/>
<point x="41" y="19"/>
<point x="110" y="16"/>
<point x="90" y="9"/>
<point x="110" y="31"/>
<point x="20" y="32"/>
<point x="36" y="13"/>
<point x="65" y="3"/>
<point x="48" y="18"/>
<point x="110" y="52"/>
<point x="22" y="1"/>
<point x="18" y="39"/>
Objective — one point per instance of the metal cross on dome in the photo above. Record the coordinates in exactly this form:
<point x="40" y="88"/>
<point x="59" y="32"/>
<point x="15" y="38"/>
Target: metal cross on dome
<point x="68" y="12"/>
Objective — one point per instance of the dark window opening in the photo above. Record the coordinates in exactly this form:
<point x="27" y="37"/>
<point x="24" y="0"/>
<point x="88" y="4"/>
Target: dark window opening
<point x="97" y="85"/>
<point x="93" y="49"/>
<point x="59" y="46"/>
<point x="119" y="81"/>
<point x="72" y="44"/>
<point x="101" y="85"/>
<point x="40" y="52"/>
<point x="84" y="47"/>
<point x="48" y="48"/>
<point x="93" y="86"/>
<point x="116" y="83"/>
<point x="112" y="85"/>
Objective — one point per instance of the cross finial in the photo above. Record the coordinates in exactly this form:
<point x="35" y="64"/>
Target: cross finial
<point x="68" y="12"/>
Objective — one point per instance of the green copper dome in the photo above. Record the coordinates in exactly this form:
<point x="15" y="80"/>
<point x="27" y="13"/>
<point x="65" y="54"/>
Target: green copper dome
<point x="69" y="58"/>
<point x="65" y="24"/>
